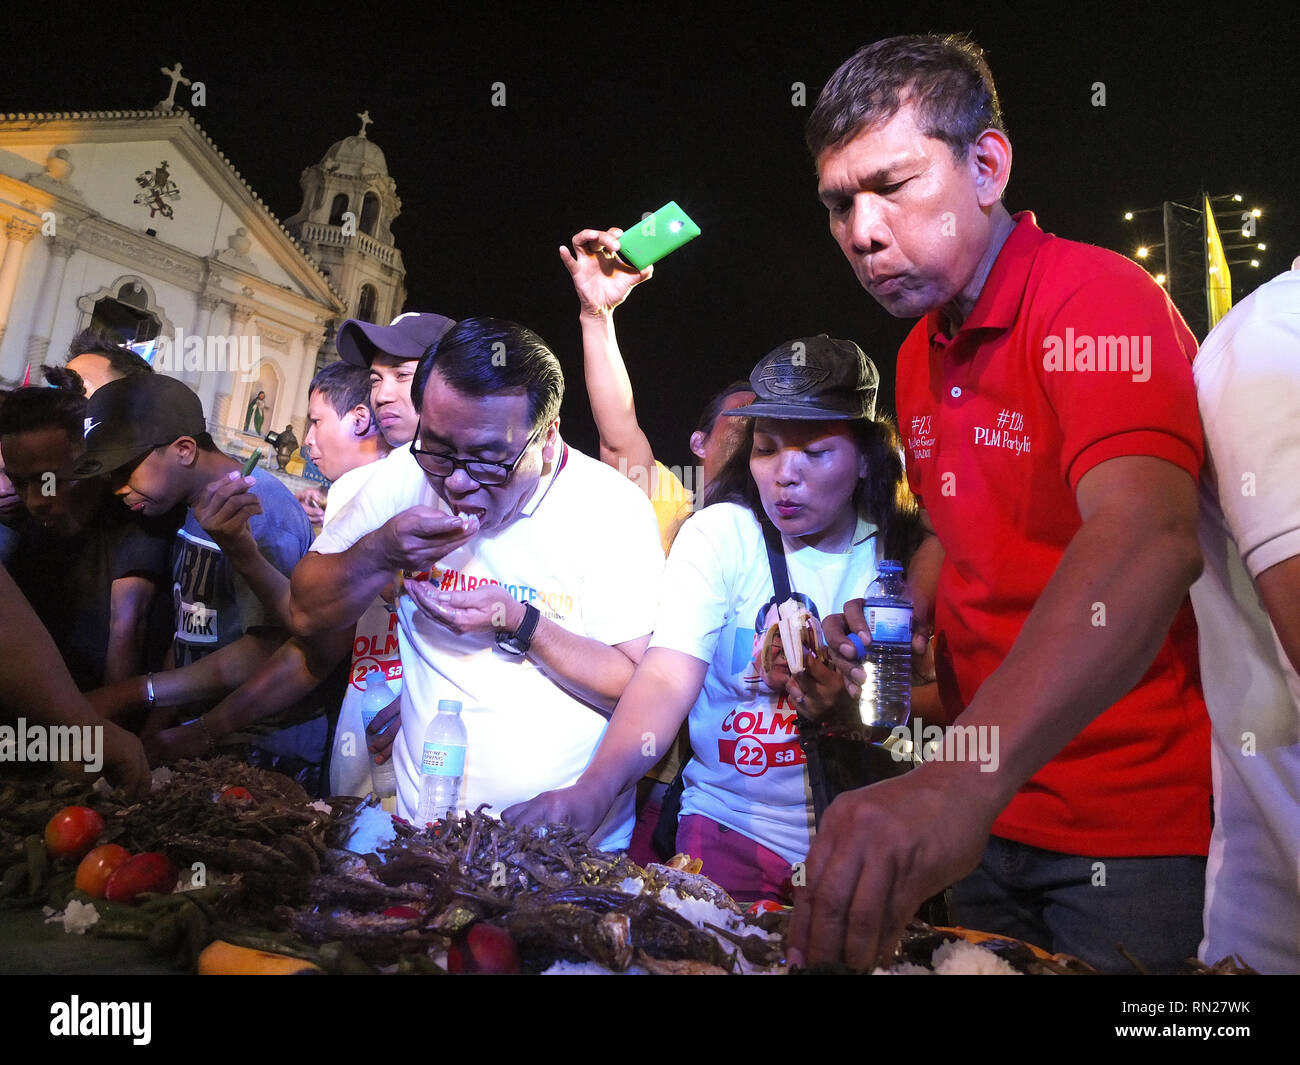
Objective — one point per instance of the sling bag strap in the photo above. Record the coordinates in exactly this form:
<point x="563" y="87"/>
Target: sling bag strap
<point x="821" y="792"/>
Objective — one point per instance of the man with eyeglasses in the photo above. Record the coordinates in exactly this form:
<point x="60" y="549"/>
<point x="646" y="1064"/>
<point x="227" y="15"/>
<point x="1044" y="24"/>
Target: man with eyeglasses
<point x="529" y="572"/>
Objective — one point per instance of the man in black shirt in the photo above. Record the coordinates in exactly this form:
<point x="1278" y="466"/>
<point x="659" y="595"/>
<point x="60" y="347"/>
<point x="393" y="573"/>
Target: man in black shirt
<point x="90" y="570"/>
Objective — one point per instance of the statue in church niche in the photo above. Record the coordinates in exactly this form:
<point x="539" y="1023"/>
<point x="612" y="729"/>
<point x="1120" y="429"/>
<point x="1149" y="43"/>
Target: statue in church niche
<point x="286" y="443"/>
<point x="256" y="414"/>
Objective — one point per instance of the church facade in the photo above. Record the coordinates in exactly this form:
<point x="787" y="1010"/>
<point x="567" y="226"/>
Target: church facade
<point x="133" y="223"/>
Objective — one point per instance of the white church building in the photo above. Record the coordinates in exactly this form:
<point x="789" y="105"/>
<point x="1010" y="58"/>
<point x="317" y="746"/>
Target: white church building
<point x="135" y="224"/>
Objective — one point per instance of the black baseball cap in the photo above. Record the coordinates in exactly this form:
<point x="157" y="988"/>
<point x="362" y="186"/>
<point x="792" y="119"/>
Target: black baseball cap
<point x="128" y="418"/>
<point x="813" y="378"/>
<point x="408" y="336"/>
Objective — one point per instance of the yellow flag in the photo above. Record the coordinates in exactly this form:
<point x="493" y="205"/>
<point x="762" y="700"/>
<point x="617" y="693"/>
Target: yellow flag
<point x="1218" y="282"/>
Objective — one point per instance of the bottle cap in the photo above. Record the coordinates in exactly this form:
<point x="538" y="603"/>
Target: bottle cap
<point x="450" y="705"/>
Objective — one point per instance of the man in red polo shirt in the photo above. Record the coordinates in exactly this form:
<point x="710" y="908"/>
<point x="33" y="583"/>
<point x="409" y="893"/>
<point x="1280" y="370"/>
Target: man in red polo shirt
<point x="1049" y="417"/>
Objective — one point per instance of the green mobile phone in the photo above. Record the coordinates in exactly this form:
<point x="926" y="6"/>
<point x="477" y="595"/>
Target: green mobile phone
<point x="656" y="235"/>
<point x="250" y="462"/>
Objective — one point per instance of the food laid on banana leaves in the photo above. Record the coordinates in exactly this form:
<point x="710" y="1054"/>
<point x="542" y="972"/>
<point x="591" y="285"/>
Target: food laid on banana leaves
<point x="264" y="883"/>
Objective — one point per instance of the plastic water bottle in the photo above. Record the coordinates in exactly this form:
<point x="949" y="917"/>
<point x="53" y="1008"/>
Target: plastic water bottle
<point x="442" y="763"/>
<point x="886" y="700"/>
<point x="377" y="696"/>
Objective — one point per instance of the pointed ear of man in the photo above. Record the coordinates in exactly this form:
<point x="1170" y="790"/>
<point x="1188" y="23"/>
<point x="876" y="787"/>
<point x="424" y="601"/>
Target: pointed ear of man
<point x="991" y="156"/>
<point x="186" y="450"/>
<point x="362" y="420"/>
<point x="550" y="440"/>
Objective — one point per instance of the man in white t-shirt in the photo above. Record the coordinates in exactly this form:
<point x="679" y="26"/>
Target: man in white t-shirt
<point x="531" y="572"/>
<point x="1247" y="605"/>
<point x="388" y="356"/>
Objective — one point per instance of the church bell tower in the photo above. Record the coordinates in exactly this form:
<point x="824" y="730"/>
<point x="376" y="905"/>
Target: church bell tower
<point x="349" y="202"/>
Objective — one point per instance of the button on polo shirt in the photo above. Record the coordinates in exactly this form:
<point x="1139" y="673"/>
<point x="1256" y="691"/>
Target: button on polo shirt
<point x="1000" y="422"/>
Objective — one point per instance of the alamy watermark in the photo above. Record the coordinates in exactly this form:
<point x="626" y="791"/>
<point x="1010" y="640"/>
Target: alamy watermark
<point x="77" y="1018"/>
<point x="1087" y="353"/>
<point x="53" y="743"/>
<point x="955" y="743"/>
<point x="678" y="487"/>
<point x="181" y="353"/>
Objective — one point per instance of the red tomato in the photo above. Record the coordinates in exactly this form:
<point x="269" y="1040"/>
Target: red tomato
<point x="484" y="949"/>
<point x="72" y="831"/>
<point x="152" y="872"/>
<point x="97" y="866"/>
<point x="236" y="796"/>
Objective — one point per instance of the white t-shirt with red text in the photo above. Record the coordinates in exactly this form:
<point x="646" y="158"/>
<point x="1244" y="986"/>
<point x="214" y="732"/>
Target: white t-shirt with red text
<point x="747" y="772"/>
<point x="584" y="551"/>
<point x="374" y="646"/>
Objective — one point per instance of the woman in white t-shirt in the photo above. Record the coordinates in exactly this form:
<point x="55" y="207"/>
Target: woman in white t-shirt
<point x="826" y="475"/>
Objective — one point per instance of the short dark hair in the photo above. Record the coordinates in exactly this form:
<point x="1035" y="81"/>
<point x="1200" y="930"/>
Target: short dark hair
<point x="713" y="408"/>
<point x="121" y="360"/>
<point x="25" y="410"/>
<point x="484" y="356"/>
<point x="952" y="84"/>
<point x="342" y="385"/>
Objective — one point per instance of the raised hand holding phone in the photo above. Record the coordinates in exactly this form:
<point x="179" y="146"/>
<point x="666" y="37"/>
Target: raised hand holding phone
<point x="656" y="235"/>
<point x="601" y="279"/>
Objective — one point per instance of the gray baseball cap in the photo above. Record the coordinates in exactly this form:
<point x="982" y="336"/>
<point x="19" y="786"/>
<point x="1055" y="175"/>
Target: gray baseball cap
<point x="813" y="378"/>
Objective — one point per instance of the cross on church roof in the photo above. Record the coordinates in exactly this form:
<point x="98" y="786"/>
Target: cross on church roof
<point x="175" y="75"/>
<point x="365" y="121"/>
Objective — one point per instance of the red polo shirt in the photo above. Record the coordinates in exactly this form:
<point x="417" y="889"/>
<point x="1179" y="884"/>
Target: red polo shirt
<point x="999" y="423"/>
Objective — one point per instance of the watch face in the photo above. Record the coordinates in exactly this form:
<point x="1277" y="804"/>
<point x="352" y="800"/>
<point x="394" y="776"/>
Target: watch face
<point x="518" y="642"/>
<point x="507" y="642"/>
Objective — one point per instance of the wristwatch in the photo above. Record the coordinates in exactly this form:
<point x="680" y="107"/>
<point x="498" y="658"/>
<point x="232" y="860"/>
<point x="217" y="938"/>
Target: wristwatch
<point x="518" y="642"/>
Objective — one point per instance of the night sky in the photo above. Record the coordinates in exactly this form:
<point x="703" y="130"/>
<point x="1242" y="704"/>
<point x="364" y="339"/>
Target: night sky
<point x="609" y="115"/>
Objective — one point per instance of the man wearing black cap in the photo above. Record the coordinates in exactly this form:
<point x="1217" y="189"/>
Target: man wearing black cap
<point x="387" y="356"/>
<point x="241" y="536"/>
<point x="389" y="353"/>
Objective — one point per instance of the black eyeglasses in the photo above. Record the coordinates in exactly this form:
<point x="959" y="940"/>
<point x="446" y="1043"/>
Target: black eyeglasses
<point x="488" y="474"/>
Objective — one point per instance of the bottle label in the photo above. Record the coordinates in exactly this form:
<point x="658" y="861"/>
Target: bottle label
<point x="889" y="624"/>
<point x="442" y="761"/>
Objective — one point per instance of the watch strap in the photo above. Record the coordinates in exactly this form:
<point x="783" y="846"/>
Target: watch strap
<point x="523" y="636"/>
<point x="518" y="642"/>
